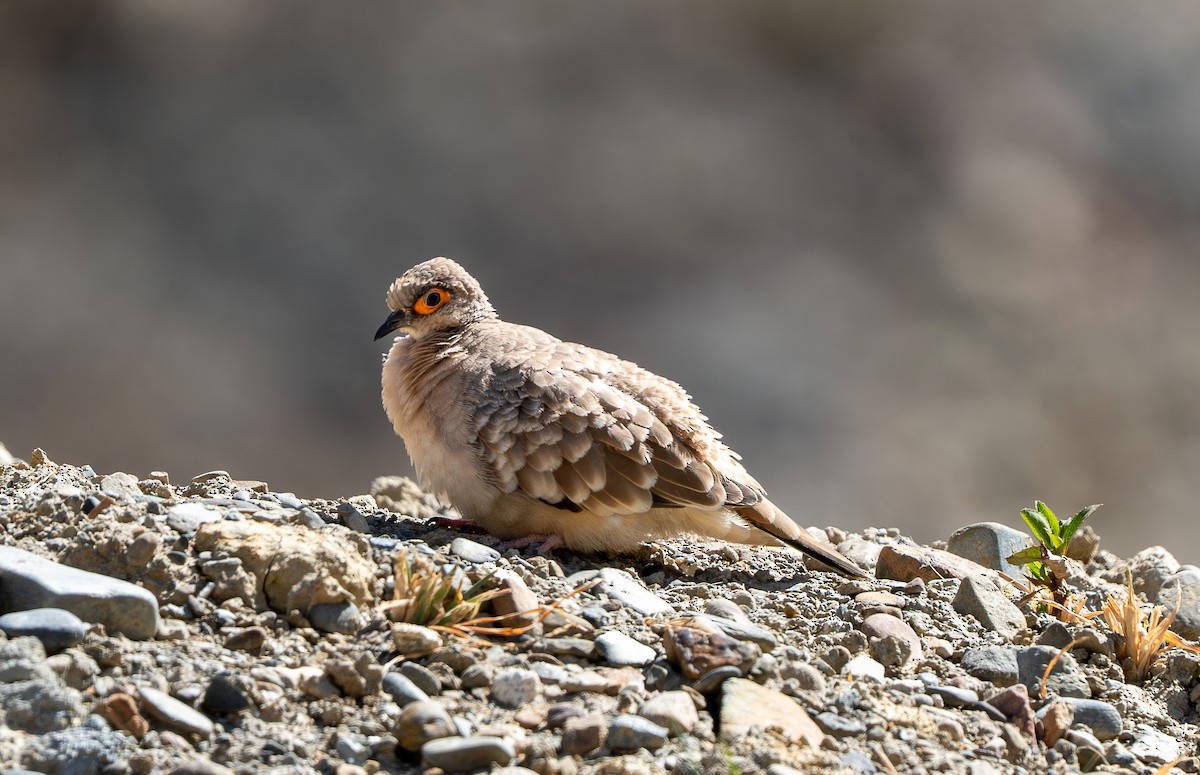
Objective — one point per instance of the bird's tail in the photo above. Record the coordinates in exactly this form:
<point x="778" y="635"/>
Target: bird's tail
<point x="768" y="517"/>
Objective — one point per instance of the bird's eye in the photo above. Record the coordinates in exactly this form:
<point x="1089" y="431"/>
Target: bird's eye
<point x="432" y="299"/>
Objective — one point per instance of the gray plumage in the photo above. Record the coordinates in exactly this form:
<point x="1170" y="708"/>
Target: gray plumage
<point x="526" y="434"/>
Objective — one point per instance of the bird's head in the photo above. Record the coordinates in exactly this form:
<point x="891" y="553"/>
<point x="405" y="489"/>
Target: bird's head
<point x="436" y="295"/>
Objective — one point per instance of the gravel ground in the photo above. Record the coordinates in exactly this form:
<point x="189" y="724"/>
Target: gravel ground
<point x="214" y="625"/>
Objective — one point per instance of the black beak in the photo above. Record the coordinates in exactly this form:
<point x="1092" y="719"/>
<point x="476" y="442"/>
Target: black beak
<point x="394" y="321"/>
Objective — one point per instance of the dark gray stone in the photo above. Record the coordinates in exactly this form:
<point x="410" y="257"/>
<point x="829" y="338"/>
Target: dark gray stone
<point x="402" y="689"/>
<point x="992" y="663"/>
<point x="1065" y="680"/>
<point x="224" y="697"/>
<point x="1100" y="717"/>
<point x="631" y="732"/>
<point x="56" y="628"/>
<point x="990" y="544"/>
<point x="335" y="617"/>
<point x="980" y="598"/>
<point x="838" y="726"/>
<point x="422" y="676"/>
<point x="465" y="754"/>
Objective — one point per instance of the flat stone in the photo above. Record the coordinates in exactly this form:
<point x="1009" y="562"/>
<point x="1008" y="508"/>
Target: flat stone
<point x="621" y="650"/>
<point x="342" y="617"/>
<point x="55" y="628"/>
<point x="990" y="544"/>
<point x="712" y="680"/>
<point x="28" y="581"/>
<point x="583" y="733"/>
<point x="980" y="598"/>
<point x="632" y="732"/>
<point x="675" y="710"/>
<point x="1152" y="746"/>
<point x="187" y="517"/>
<point x="839" y="726"/>
<point x="580" y="648"/>
<point x="1102" y="718"/>
<point x="466" y="754"/>
<point x="421" y="722"/>
<point x="892" y="641"/>
<point x="473" y="551"/>
<point x="1183" y="589"/>
<point x="403" y="690"/>
<point x="520" y="606"/>
<point x="953" y="696"/>
<point x="1065" y="680"/>
<point x="995" y="664"/>
<point x="863" y="666"/>
<point x="744" y="630"/>
<point x="174" y="713"/>
<point x="422" y="676"/>
<point x="201" y="767"/>
<point x="698" y="651"/>
<point x="877" y="598"/>
<point x="513" y="687"/>
<point x="250" y="639"/>
<point x="631" y="593"/>
<point x="905" y="563"/>
<point x="745" y="705"/>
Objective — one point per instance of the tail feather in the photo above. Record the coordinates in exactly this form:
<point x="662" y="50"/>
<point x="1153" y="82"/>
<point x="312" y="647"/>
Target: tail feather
<point x="766" y="516"/>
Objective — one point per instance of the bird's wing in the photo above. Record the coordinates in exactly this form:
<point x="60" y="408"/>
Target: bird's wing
<point x="588" y="431"/>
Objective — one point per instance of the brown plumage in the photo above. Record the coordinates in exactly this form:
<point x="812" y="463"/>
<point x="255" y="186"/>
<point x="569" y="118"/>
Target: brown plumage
<point x="528" y="435"/>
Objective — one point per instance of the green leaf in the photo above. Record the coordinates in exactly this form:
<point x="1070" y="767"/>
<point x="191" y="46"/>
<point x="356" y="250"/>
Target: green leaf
<point x="1044" y="510"/>
<point x="1038" y="573"/>
<point x="1039" y="527"/>
<point x="1026" y="556"/>
<point x="1069" y="531"/>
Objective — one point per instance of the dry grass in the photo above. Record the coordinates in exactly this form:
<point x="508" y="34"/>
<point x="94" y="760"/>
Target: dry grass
<point x="1144" y="634"/>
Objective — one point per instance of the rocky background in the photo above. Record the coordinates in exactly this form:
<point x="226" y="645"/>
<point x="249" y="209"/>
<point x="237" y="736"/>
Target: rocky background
<point x="217" y="626"/>
<point x="921" y="263"/>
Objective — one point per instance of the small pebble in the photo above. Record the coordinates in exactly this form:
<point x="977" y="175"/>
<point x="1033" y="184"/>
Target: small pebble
<point x="464" y="754"/>
<point x="57" y="629"/>
<point x="473" y="551"/>
<point x="621" y="650"/>
<point x="632" y="732"/>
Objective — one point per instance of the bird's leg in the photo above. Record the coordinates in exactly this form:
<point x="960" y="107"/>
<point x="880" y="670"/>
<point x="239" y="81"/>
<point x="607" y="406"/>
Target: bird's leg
<point x="546" y="542"/>
<point x="463" y="525"/>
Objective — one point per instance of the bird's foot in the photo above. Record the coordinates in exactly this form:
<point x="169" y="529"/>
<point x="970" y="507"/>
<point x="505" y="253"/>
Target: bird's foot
<point x="545" y="543"/>
<point x="462" y="525"/>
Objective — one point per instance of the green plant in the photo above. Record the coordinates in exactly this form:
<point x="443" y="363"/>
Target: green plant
<point x="1045" y="562"/>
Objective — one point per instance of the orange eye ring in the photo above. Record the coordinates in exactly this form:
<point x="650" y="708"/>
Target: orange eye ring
<point x="431" y="300"/>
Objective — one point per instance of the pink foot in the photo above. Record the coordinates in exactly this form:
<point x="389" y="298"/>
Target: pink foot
<point x="545" y="543"/>
<point x="464" y="525"/>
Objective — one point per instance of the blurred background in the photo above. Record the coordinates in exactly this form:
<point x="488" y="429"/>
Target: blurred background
<point x="922" y="263"/>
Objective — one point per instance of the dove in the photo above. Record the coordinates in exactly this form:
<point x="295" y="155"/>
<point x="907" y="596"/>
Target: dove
<point x="544" y="441"/>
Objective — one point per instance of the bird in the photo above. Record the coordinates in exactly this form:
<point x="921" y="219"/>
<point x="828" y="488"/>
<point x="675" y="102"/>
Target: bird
<point x="539" y="440"/>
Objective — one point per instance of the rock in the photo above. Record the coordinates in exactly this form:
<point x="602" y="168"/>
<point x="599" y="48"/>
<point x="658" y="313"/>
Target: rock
<point x="1056" y="719"/>
<point x="1152" y="746"/>
<point x="1182" y="589"/>
<point x="558" y="714"/>
<point x="28" y="582"/>
<point x="402" y="496"/>
<point x="1013" y="702"/>
<point x="466" y="754"/>
<point x="675" y="710"/>
<point x="833" y="724"/>
<point x="891" y="640"/>
<point x="315" y="682"/>
<point x="1150" y="568"/>
<point x="583" y="733"/>
<point x="520" y="607"/>
<point x="881" y="599"/>
<point x="513" y="687"/>
<point x="422" y="676"/>
<point x="403" y="690"/>
<point x="6" y="457"/>
<point x="201" y="767"/>
<point x="979" y="597"/>
<point x="224" y="697"/>
<point x="712" y="680"/>
<point x="953" y="696"/>
<point x="995" y="664"/>
<point x="631" y="593"/>
<point x="335" y="617"/>
<point x="413" y="641"/>
<point x="745" y="705"/>
<point x="1085" y="545"/>
<point x="990" y="544"/>
<point x="421" y="722"/>
<point x="57" y="629"/>
<point x="633" y="732"/>
<point x="697" y="651"/>
<point x="230" y="580"/>
<point x="1100" y="717"/>
<point x="187" y="517"/>
<point x="472" y="551"/>
<point x="173" y="713"/>
<point x="621" y="650"/>
<point x="82" y="750"/>
<point x="1065" y="680"/>
<point x="296" y="568"/>
<point x="249" y="639"/>
<point x="863" y="666"/>
<point x="579" y="648"/>
<point x="121" y="712"/>
<point x="121" y="486"/>
<point x="905" y="563"/>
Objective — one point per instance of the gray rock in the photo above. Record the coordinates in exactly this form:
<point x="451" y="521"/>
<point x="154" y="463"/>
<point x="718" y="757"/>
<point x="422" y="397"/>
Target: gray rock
<point x="581" y="648"/>
<point x="1183" y="589"/>
<point x="990" y="544"/>
<point x="632" y="732"/>
<point x="335" y="617"/>
<point x="473" y="551"/>
<point x="121" y="486"/>
<point x="81" y="750"/>
<point x="992" y="663"/>
<point x="422" y="676"/>
<point x="746" y="705"/>
<point x="55" y="628"/>
<point x="513" y="687"/>
<point x="413" y="640"/>
<point x="403" y="690"/>
<point x="174" y="713"/>
<point x="838" y="726"/>
<point x="187" y="517"/>
<point x="352" y="749"/>
<point x="28" y="581"/>
<point x="421" y="722"/>
<point x="201" y="767"/>
<point x="39" y="705"/>
<point x="223" y="697"/>
<point x="621" y="650"/>
<point x="676" y="711"/>
<point x="582" y="733"/>
<point x="953" y="696"/>
<point x="1065" y="680"/>
<point x="712" y="680"/>
<point x="892" y="641"/>
<point x="1152" y="746"/>
<point x="631" y="593"/>
<point x="465" y="754"/>
<point x="744" y="630"/>
<point x="979" y="597"/>
<point x="863" y="666"/>
<point x="1150" y="569"/>
<point x="1101" y="718"/>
